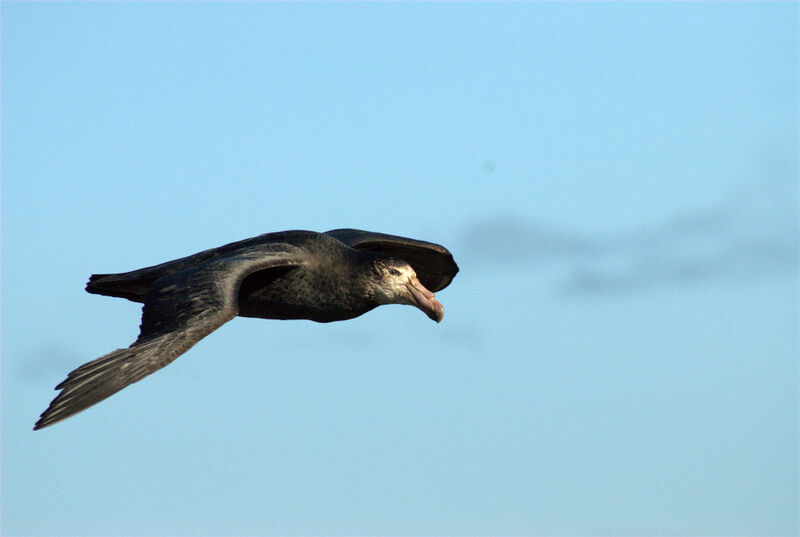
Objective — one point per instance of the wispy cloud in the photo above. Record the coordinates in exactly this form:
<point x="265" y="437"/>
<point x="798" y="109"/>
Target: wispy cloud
<point x="511" y="240"/>
<point x="750" y="235"/>
<point x="47" y="362"/>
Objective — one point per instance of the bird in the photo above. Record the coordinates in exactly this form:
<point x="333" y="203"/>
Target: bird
<point x="324" y="277"/>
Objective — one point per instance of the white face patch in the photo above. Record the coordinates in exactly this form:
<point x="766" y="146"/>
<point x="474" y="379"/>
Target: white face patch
<point x="397" y="283"/>
<point x="392" y="287"/>
<point x="405" y="274"/>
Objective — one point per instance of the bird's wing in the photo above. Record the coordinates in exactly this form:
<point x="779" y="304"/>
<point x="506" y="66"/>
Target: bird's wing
<point x="179" y="310"/>
<point x="433" y="263"/>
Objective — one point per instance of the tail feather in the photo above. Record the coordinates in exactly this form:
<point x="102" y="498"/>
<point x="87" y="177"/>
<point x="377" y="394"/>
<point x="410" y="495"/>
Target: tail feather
<point x="119" y="285"/>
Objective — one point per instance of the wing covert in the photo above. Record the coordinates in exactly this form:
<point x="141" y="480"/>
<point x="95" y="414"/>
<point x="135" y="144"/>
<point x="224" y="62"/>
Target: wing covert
<point x="432" y="262"/>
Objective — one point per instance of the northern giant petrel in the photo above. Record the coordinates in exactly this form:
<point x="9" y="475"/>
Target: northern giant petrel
<point x="323" y="277"/>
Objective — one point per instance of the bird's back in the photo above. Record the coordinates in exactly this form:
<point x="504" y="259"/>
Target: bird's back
<point x="133" y="285"/>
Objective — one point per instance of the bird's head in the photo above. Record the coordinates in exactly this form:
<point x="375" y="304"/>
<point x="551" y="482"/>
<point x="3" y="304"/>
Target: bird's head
<point x="393" y="281"/>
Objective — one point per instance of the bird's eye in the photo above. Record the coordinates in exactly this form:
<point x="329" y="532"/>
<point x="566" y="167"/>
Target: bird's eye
<point x="394" y="272"/>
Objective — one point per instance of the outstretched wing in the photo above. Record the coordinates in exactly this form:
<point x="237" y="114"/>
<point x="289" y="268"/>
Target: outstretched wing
<point x="433" y="263"/>
<point x="180" y="309"/>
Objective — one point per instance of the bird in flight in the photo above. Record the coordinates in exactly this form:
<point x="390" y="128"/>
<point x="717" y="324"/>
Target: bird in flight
<point x="324" y="277"/>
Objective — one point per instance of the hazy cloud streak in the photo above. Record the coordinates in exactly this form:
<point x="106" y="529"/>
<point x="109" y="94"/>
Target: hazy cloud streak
<point x="751" y="236"/>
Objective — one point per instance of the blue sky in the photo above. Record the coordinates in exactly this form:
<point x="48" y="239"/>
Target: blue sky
<point x="618" y="182"/>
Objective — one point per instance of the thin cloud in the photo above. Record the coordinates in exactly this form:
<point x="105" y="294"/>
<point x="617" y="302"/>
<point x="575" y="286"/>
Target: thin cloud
<point x="47" y="362"/>
<point x="750" y="236"/>
<point x="509" y="240"/>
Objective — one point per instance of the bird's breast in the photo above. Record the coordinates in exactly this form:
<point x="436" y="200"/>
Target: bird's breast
<point x="303" y="294"/>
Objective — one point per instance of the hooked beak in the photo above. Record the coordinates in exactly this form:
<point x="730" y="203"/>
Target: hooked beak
<point x="423" y="299"/>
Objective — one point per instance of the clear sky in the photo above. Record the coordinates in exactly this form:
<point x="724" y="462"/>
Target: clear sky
<point x="618" y="182"/>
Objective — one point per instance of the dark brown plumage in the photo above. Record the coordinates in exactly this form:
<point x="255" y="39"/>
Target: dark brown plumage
<point x="323" y="277"/>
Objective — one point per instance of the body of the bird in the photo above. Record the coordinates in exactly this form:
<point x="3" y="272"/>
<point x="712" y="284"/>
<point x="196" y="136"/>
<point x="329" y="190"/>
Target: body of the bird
<point x="315" y="292"/>
<point x="322" y="277"/>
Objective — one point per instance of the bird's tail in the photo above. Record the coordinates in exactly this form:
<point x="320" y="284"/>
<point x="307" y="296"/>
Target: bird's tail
<point x="130" y="285"/>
